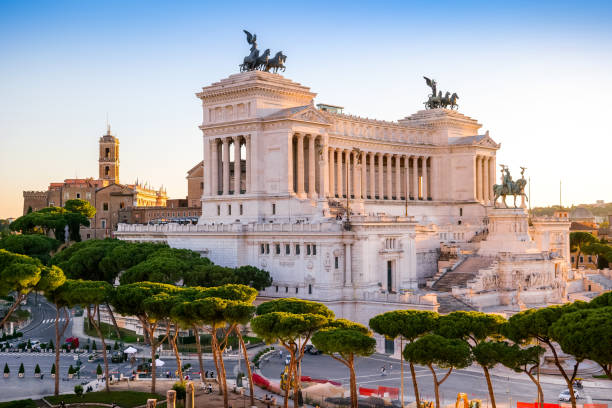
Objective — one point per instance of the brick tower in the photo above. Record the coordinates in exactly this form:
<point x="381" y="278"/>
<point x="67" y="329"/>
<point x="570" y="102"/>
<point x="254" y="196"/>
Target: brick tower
<point x="109" y="158"/>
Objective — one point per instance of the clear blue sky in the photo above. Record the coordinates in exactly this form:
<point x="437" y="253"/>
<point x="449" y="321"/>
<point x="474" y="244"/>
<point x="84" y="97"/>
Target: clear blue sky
<point x="536" y="74"/>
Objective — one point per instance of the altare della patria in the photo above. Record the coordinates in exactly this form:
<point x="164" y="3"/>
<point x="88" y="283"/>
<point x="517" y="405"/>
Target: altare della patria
<point x="364" y="215"/>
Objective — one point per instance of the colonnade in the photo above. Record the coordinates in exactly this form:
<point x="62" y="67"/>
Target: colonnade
<point x="484" y="178"/>
<point x="320" y="170"/>
<point x="227" y="177"/>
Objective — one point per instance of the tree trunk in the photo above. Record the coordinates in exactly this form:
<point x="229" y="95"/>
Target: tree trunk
<point x="221" y="372"/>
<point x="294" y="377"/>
<point x="489" y="386"/>
<point x="112" y="316"/>
<point x="216" y="361"/>
<point x="97" y="328"/>
<point x="354" y="396"/>
<point x="57" y="350"/>
<point x="607" y="369"/>
<point x="172" y="341"/>
<point x="20" y="298"/>
<point x="568" y="381"/>
<point x="435" y="378"/>
<point x="402" y="373"/>
<point x="577" y="258"/>
<point x="150" y="332"/>
<point x="288" y="381"/>
<point x="415" y="385"/>
<point x="539" y="387"/>
<point x="248" y="365"/>
<point x="199" y="348"/>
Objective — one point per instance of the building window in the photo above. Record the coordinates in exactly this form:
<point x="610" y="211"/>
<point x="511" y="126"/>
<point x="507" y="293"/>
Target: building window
<point x="78" y="195"/>
<point x="105" y="206"/>
<point x="218" y="210"/>
<point x="310" y="289"/>
<point x="336" y="262"/>
<point x="229" y="209"/>
<point x="590" y="258"/>
<point x="572" y="259"/>
<point x="581" y="259"/>
<point x="287" y="249"/>
<point x="297" y="249"/>
<point x="277" y="289"/>
<point x="277" y="249"/>
<point x="296" y="290"/>
<point x="240" y="209"/>
<point x="121" y="205"/>
<point x="107" y="152"/>
<point x="459" y="222"/>
<point x="103" y="223"/>
<point x="268" y="249"/>
<point x="273" y="209"/>
<point x="88" y="236"/>
<point x="286" y="289"/>
<point x="307" y="249"/>
<point x="201" y="186"/>
<point x="461" y="212"/>
<point x="106" y="171"/>
<point x="263" y="249"/>
<point x="88" y="195"/>
<point x="314" y="249"/>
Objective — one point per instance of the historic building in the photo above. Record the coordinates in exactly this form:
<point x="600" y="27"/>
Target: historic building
<point x="353" y="211"/>
<point x="105" y="193"/>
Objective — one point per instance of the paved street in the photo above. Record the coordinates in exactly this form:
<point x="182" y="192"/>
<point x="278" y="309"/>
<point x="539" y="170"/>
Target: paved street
<point x="472" y="382"/>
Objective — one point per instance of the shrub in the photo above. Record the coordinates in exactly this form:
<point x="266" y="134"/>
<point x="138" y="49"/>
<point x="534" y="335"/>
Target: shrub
<point x="181" y="390"/>
<point x="99" y="370"/>
<point x="6" y="368"/>
<point x="53" y="369"/>
<point x="71" y="369"/>
<point x="78" y="390"/>
<point x="37" y="369"/>
<point x="93" y="346"/>
<point x="21" y="369"/>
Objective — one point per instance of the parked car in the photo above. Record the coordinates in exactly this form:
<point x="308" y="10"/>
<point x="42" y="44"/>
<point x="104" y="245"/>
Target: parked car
<point x="565" y="395"/>
<point x="117" y="357"/>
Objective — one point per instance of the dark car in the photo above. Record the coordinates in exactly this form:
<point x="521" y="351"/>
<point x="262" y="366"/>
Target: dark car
<point x="310" y="349"/>
<point x="117" y="357"/>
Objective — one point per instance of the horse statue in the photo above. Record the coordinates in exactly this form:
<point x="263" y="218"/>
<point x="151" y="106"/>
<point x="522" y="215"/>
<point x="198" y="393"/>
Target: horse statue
<point x="248" y="64"/>
<point x="453" y="101"/>
<point x="262" y="61"/>
<point x="276" y="63"/>
<point x="509" y="187"/>
<point x="436" y="100"/>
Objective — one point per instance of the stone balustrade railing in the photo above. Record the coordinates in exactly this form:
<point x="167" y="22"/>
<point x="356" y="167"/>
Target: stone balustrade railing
<point x="230" y="228"/>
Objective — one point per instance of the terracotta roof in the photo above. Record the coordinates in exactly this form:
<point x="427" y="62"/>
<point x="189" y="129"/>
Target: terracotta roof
<point x="579" y="226"/>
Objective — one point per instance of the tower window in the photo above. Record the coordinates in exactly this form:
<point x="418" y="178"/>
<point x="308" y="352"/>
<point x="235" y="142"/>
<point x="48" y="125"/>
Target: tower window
<point x="106" y="171"/>
<point x="107" y="152"/>
<point x="296" y="290"/>
<point x="461" y="212"/>
<point x="308" y="249"/>
<point x="314" y="249"/>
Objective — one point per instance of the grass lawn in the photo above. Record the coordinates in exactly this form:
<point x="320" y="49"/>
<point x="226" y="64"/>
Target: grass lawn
<point x="125" y="399"/>
<point x="27" y="403"/>
<point x="127" y="336"/>
<point x="601" y="377"/>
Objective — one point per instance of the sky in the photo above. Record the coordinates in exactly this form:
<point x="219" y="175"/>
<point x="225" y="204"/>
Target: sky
<point x="537" y="75"/>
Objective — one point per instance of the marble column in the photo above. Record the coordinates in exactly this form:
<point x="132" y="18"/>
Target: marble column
<point x="348" y="187"/>
<point x="324" y="177"/>
<point x="398" y="178"/>
<point x="312" y="192"/>
<point x="381" y="180"/>
<point x="237" y="167"/>
<point x="300" y="165"/>
<point x="364" y="176"/>
<point x="248" y="164"/>
<point x="485" y="181"/>
<point x="339" y="174"/>
<point x="434" y="179"/>
<point x="389" y="177"/>
<point x="214" y="167"/>
<point x="356" y="176"/>
<point x="478" y="178"/>
<point x="372" y="191"/>
<point x="492" y="170"/>
<point x="415" y="177"/>
<point x="425" y="178"/>
<point x="290" y="167"/>
<point x="332" y="172"/>
<point x="226" y="166"/>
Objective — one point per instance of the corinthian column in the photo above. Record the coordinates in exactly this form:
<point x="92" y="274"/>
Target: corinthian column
<point x="398" y="178"/>
<point x="425" y="178"/>
<point x="492" y="178"/>
<point x="300" y="165"/>
<point x="381" y="180"/>
<point x="248" y="164"/>
<point x="237" y="166"/>
<point x="364" y="176"/>
<point x="478" y="176"/>
<point x="389" y="189"/>
<point x="356" y="176"/>
<point x="485" y="181"/>
<point x="434" y="181"/>
<point x="324" y="175"/>
<point x="339" y="186"/>
<point x="415" y="177"/>
<point x="226" y="166"/>
<point x="332" y="172"/>
<point x="312" y="192"/>
<point x="214" y="167"/>
<point x="372" y="176"/>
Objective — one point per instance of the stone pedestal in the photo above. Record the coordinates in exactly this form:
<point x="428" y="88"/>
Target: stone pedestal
<point x="508" y="232"/>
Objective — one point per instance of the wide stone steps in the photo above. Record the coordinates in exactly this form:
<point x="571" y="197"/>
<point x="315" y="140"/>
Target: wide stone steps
<point x="449" y="303"/>
<point x="463" y="273"/>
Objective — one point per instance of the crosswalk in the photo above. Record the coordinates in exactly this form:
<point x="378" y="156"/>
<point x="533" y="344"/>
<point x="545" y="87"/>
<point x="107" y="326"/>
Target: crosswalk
<point x="47" y="321"/>
<point x="44" y="353"/>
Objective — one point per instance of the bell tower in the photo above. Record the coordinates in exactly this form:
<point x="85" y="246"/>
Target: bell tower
<point x="108" y="162"/>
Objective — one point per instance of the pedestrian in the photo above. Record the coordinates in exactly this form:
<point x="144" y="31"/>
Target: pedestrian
<point x="281" y="354"/>
<point x="382" y="371"/>
<point x="390" y="367"/>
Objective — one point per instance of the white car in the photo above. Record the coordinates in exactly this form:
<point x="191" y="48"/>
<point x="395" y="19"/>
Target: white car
<point x="565" y="395"/>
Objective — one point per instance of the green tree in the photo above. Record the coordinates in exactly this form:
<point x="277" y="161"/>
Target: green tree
<point x="21" y="369"/>
<point x="342" y="340"/>
<point x="474" y="328"/>
<point x="78" y="390"/>
<point x="129" y="300"/>
<point x="603" y="300"/>
<point x="580" y="242"/>
<point x="433" y="349"/>
<point x="79" y="206"/>
<point x="53" y="370"/>
<point x="586" y="334"/>
<point x="292" y="322"/>
<point x="34" y="245"/>
<point x="23" y="274"/>
<point x="90" y="295"/>
<point x="6" y="369"/>
<point x="98" y="370"/>
<point x="536" y="324"/>
<point x="37" y="369"/>
<point x="407" y="325"/>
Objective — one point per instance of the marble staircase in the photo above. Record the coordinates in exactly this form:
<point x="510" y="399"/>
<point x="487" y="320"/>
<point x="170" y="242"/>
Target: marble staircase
<point x="459" y="276"/>
<point x="449" y="303"/>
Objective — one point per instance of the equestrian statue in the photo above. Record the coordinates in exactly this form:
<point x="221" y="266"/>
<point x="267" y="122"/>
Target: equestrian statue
<point x="510" y="187"/>
<point x="255" y="61"/>
<point x="436" y="100"/>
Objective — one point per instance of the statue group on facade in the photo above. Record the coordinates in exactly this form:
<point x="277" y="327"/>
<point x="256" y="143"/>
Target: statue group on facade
<point x="509" y="187"/>
<point x="436" y="100"/>
<point x="262" y="62"/>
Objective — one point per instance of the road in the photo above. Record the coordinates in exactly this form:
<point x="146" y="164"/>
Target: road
<point x="42" y="326"/>
<point x="472" y="382"/>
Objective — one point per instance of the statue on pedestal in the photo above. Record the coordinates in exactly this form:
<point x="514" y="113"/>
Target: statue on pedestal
<point x="436" y="100"/>
<point x="510" y="187"/>
<point x="255" y="61"/>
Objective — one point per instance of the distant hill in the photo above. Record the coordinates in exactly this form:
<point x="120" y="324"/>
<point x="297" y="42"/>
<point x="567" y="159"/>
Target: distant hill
<point x="598" y="210"/>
